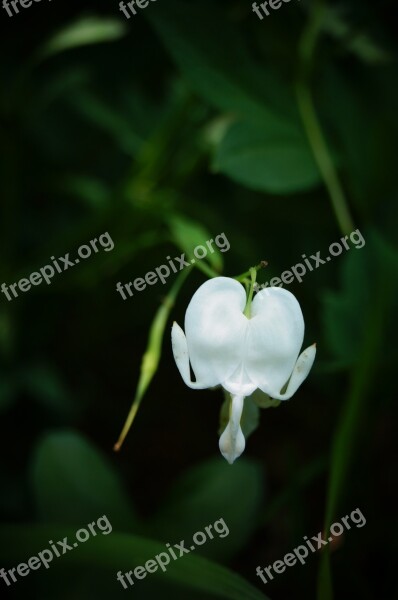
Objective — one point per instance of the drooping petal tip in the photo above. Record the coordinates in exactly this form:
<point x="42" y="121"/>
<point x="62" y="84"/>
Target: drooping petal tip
<point x="232" y="441"/>
<point x="231" y="448"/>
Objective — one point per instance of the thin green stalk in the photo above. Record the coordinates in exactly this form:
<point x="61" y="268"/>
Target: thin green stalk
<point x="312" y="124"/>
<point x="349" y="427"/>
<point x="253" y="275"/>
<point x="206" y="269"/>
<point x="150" y="360"/>
<point x="247" y="274"/>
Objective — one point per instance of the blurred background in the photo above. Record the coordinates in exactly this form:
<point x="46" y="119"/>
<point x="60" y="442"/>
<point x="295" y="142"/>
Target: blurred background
<point x="188" y="120"/>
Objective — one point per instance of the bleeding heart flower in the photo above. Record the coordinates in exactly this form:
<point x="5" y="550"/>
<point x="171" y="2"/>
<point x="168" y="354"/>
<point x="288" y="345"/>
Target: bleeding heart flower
<point x="242" y="353"/>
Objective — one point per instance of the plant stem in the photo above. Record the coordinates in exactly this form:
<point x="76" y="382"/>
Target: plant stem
<point x="312" y="124"/>
<point x="150" y="360"/>
<point x="206" y="269"/>
<point x="253" y="275"/>
<point x="247" y="274"/>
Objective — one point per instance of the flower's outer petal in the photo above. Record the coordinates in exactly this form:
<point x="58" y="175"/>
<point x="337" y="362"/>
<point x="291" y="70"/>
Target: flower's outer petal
<point x="300" y="372"/>
<point x="275" y="336"/>
<point x="232" y="441"/>
<point x="180" y="351"/>
<point x="215" y="328"/>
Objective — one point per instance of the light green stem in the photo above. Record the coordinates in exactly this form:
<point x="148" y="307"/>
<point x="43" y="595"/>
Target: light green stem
<point x="150" y="360"/>
<point x="253" y="275"/>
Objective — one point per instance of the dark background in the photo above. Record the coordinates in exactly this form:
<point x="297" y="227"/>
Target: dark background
<point x="124" y="135"/>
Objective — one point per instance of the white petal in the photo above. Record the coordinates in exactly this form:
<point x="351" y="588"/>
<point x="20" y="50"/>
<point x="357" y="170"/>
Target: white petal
<point x="275" y="336"/>
<point x="180" y="351"/>
<point x="300" y="372"/>
<point x="232" y="441"/>
<point x="215" y="328"/>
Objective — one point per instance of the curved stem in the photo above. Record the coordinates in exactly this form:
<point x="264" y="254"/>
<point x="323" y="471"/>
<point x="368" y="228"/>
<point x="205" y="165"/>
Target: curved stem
<point x="150" y="360"/>
<point x="206" y="269"/>
<point x="312" y="124"/>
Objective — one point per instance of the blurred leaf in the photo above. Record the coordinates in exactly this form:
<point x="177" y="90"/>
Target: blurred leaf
<point x="188" y="234"/>
<point x="366" y="49"/>
<point x="87" y="30"/>
<point x="209" y="492"/>
<point x="107" y="119"/>
<point x="231" y="79"/>
<point x="6" y="332"/>
<point x="359" y="43"/>
<point x="358" y="136"/>
<point x="8" y="391"/>
<point x="299" y="480"/>
<point x="117" y="551"/>
<point x="274" y="157"/>
<point x="46" y="386"/>
<point x="74" y="484"/>
<point x="92" y="191"/>
<point x="346" y="312"/>
<point x="376" y="316"/>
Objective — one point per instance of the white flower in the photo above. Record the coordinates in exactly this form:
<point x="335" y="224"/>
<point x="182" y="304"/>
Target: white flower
<point x="242" y="354"/>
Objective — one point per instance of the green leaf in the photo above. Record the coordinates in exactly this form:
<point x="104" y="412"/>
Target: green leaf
<point x="123" y="552"/>
<point x="87" y="30"/>
<point x="8" y="391"/>
<point x="274" y="157"/>
<point x="379" y="306"/>
<point x="108" y="119"/>
<point x="346" y="311"/>
<point x="74" y="484"/>
<point x="45" y="384"/>
<point x="188" y="234"/>
<point x="210" y="492"/>
<point x="231" y="79"/>
<point x="90" y="190"/>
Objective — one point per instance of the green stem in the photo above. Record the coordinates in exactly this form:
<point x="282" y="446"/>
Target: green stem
<point x="247" y="274"/>
<point x="350" y="425"/>
<point x="253" y="275"/>
<point x="312" y="124"/>
<point x="150" y="360"/>
<point x="206" y="269"/>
